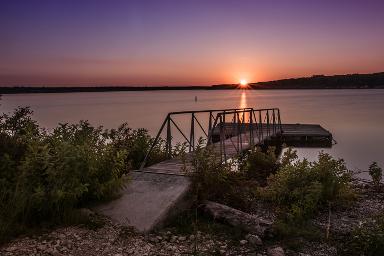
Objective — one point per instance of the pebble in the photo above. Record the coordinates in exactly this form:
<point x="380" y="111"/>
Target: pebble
<point x="243" y="242"/>
<point x="275" y="251"/>
<point x="110" y="240"/>
<point x="254" y="240"/>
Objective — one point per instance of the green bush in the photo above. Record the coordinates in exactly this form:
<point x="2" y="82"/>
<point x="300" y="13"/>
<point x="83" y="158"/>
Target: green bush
<point x="137" y="143"/>
<point x="259" y="165"/>
<point x="368" y="239"/>
<point x="220" y="182"/>
<point x="300" y="188"/>
<point x="376" y="173"/>
<point x="45" y="175"/>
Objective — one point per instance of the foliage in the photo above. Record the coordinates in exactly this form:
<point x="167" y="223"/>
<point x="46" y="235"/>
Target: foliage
<point x="368" y="239"/>
<point x="137" y="143"/>
<point x="376" y="173"/>
<point x="220" y="182"/>
<point x="300" y="188"/>
<point x="259" y="165"/>
<point x="44" y="175"/>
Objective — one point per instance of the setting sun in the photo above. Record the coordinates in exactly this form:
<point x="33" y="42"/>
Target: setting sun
<point x="243" y="83"/>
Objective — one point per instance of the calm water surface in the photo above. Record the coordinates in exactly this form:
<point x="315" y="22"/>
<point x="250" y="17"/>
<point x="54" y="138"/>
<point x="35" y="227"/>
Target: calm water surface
<point x="355" y="117"/>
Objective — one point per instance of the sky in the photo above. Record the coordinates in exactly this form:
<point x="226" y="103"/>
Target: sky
<point x="185" y="42"/>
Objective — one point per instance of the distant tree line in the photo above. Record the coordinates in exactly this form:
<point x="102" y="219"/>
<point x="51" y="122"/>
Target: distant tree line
<point x="350" y="81"/>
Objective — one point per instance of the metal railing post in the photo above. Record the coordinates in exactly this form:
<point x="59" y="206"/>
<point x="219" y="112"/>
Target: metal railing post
<point x="192" y="134"/>
<point x="209" y="125"/>
<point x="268" y="127"/>
<point x="279" y="120"/>
<point x="251" y="142"/>
<point x="273" y="122"/>
<point x="238" y="132"/>
<point x="221" y="139"/>
<point x="169" y="137"/>
<point x="261" y="126"/>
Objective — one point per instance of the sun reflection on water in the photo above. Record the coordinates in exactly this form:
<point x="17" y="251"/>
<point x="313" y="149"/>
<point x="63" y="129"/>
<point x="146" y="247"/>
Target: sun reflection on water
<point x="243" y="103"/>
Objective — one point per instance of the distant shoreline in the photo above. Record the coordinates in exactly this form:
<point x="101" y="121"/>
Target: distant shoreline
<point x="350" y="81"/>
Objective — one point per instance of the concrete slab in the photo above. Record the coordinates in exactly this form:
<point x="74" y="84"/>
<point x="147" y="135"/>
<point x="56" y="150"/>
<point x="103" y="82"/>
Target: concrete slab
<point x="148" y="200"/>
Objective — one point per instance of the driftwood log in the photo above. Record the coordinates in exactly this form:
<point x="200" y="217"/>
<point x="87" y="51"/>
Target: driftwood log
<point x="236" y="218"/>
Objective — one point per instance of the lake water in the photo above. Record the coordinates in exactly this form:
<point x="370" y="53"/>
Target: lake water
<point x="355" y="117"/>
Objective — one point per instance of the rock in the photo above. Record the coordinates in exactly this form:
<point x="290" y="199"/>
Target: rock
<point x="222" y="252"/>
<point x="159" y="238"/>
<point x="42" y="247"/>
<point x="11" y="249"/>
<point x="182" y="238"/>
<point x="243" y="242"/>
<point x="275" y="251"/>
<point x="236" y="218"/>
<point x="254" y="240"/>
<point x="192" y="237"/>
<point x="86" y="212"/>
<point x="153" y="239"/>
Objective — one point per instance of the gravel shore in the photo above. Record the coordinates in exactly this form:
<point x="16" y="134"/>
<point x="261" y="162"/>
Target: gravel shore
<point x="116" y="240"/>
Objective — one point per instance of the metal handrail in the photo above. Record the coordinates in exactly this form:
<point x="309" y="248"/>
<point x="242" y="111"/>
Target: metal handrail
<point x="217" y="121"/>
<point x="271" y="120"/>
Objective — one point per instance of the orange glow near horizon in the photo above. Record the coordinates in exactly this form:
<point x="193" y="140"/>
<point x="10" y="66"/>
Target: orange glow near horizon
<point x="243" y="83"/>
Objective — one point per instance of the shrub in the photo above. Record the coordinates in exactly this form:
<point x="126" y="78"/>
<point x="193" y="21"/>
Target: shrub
<point x="367" y="239"/>
<point x="259" y="165"/>
<point x="300" y="188"/>
<point x="137" y="143"/>
<point x="44" y="175"/>
<point x="376" y="173"/>
<point x="220" y="182"/>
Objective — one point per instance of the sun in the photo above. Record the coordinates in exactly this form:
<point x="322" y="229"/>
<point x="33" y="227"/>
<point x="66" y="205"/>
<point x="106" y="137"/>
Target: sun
<point x="243" y="83"/>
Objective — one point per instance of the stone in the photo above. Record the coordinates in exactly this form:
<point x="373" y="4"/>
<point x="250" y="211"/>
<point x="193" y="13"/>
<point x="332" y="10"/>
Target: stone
<point x="86" y="212"/>
<point x="254" y="240"/>
<point x="236" y="218"/>
<point x="243" y="242"/>
<point x="182" y="238"/>
<point x="275" y="251"/>
<point x="153" y="239"/>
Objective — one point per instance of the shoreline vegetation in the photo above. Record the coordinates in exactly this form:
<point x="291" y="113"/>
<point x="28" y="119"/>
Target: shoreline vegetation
<point x="49" y="179"/>
<point x="349" y="81"/>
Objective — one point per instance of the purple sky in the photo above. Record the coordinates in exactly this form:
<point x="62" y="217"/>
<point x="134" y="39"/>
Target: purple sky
<point x="185" y="42"/>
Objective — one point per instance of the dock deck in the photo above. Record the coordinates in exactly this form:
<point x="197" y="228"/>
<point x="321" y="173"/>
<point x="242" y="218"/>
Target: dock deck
<point x="306" y="135"/>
